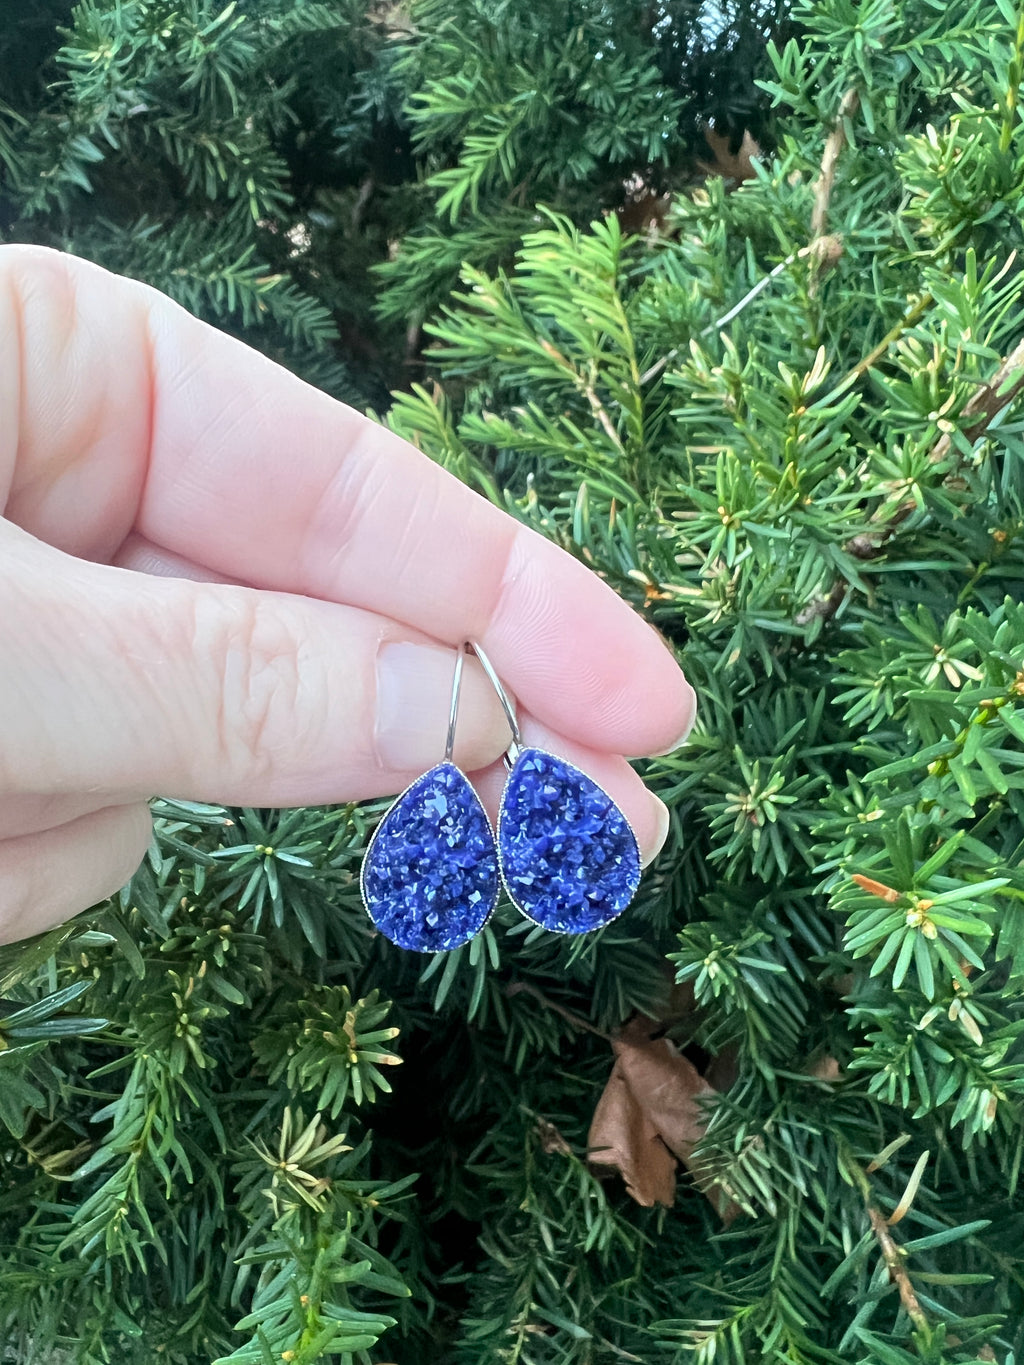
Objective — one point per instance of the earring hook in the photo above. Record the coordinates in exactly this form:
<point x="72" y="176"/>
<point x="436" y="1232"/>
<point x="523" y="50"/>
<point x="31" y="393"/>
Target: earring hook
<point x="506" y="703"/>
<point x="453" y="714"/>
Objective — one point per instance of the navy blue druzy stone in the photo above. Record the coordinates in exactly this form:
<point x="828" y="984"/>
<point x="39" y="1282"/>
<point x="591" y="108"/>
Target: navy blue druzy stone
<point x="430" y="875"/>
<point x="568" y="858"/>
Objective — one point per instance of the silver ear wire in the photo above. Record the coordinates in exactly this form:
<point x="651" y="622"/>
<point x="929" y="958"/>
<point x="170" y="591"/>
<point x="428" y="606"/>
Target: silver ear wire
<point x="429" y="878"/>
<point x="503" y="697"/>
<point x="453" y="715"/>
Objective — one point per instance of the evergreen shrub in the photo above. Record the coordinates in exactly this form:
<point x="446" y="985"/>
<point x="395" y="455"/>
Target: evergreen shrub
<point x="784" y="421"/>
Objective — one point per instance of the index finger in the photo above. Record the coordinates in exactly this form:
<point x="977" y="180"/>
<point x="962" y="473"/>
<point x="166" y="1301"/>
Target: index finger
<point x="214" y="453"/>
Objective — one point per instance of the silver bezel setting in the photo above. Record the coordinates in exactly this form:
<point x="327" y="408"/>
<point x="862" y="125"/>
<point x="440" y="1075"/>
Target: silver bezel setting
<point x="565" y="933"/>
<point x="498" y="881"/>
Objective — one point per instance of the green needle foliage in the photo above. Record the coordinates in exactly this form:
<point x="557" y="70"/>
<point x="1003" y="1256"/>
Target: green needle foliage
<point x="785" y="424"/>
<point x="250" y="161"/>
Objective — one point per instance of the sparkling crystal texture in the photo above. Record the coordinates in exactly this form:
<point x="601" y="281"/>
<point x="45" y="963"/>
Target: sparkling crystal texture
<point x="568" y="858"/>
<point x="430" y="875"/>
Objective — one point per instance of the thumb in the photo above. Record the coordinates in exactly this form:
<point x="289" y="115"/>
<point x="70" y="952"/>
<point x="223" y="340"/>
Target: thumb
<point x="124" y="685"/>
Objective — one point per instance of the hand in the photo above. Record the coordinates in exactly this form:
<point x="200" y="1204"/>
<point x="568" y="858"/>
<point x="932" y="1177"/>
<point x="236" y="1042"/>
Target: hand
<point x="219" y="584"/>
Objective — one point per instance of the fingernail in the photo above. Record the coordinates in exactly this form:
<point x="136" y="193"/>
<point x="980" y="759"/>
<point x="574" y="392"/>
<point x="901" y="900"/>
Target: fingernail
<point x="414" y="691"/>
<point x="661" y="830"/>
<point x="414" y="697"/>
<point x="686" y="732"/>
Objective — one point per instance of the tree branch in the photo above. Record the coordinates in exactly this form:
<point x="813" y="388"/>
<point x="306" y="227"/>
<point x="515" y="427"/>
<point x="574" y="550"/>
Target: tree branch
<point x="589" y="393"/>
<point x="834" y="144"/>
<point x="825" y="249"/>
<point x="989" y="400"/>
<point x="893" y="1258"/>
<point x="577" y="1021"/>
<point x="733" y="312"/>
<point x="985" y="404"/>
<point x="894" y="334"/>
<point x="598" y="409"/>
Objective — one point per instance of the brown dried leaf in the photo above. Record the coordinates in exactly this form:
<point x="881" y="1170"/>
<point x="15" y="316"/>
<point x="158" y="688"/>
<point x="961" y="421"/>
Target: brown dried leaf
<point x="736" y="165"/>
<point x="393" y="17"/>
<point x="551" y="1140"/>
<point x="645" y="213"/>
<point x="824" y="1067"/>
<point x="648" y="1114"/>
<point x="667" y="1085"/>
<point x="623" y="1136"/>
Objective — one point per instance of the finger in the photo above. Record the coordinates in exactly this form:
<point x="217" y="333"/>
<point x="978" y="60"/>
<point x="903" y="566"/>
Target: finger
<point x="216" y="692"/>
<point x="646" y="814"/>
<point x="144" y="557"/>
<point x="46" y="878"/>
<point x="29" y="813"/>
<point x="216" y="455"/>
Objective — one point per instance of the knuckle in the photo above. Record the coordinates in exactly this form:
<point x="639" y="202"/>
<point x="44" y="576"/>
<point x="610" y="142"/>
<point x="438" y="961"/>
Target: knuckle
<point x="254" y="649"/>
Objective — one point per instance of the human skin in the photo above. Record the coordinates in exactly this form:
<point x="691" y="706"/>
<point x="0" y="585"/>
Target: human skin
<point x="219" y="584"/>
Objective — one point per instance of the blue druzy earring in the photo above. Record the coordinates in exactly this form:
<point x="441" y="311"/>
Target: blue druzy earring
<point x="430" y="875"/>
<point x="568" y="857"/>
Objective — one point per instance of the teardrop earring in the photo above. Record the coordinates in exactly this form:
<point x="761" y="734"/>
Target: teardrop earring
<point x="429" y="878"/>
<point x="567" y="855"/>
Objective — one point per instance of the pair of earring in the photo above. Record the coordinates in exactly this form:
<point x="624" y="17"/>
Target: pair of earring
<point x="564" y="851"/>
